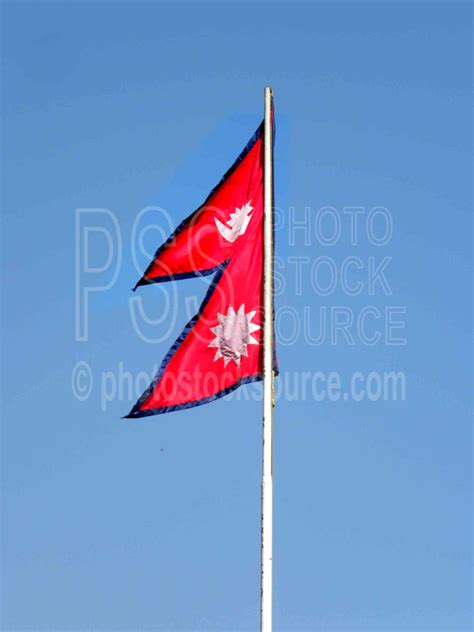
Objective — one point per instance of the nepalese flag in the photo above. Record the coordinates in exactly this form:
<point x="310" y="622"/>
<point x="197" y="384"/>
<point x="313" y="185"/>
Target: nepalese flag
<point x="221" y="347"/>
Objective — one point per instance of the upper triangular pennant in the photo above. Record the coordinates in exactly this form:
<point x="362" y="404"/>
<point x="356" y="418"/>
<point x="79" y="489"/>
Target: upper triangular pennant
<point x="207" y="238"/>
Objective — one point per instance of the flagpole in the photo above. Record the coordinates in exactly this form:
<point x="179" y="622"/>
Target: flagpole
<point x="268" y="403"/>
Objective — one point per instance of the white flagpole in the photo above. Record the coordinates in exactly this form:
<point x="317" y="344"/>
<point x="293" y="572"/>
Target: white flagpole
<point x="267" y="431"/>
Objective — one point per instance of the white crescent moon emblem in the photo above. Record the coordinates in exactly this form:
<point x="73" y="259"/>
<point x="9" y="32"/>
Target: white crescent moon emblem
<point x="237" y="224"/>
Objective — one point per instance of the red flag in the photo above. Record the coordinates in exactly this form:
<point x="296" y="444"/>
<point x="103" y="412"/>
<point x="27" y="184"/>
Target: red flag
<point x="221" y="347"/>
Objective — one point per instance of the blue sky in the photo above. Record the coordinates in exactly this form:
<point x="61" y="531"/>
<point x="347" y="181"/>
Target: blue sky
<point x="111" y="524"/>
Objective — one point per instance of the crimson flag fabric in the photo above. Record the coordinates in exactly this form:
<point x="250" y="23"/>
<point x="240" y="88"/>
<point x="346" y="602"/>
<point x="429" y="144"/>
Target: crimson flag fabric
<point x="221" y="347"/>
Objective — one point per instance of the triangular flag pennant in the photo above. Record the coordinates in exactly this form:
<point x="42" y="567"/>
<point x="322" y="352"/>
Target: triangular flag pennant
<point x="221" y="347"/>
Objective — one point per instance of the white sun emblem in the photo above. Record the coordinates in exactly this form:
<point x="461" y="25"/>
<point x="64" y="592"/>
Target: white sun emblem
<point x="237" y="224"/>
<point x="233" y="335"/>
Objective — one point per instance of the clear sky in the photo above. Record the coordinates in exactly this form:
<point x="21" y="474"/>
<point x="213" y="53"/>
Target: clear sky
<point x="112" y="524"/>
